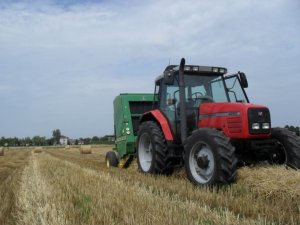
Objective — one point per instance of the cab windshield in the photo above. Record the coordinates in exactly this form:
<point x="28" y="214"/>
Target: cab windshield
<point x="198" y="89"/>
<point x="204" y="89"/>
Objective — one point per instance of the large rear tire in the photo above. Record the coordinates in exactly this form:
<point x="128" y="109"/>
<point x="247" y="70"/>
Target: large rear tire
<point x="290" y="146"/>
<point x="152" y="150"/>
<point x="210" y="158"/>
<point x="111" y="159"/>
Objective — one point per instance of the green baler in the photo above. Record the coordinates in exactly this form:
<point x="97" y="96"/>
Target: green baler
<point x="128" y="109"/>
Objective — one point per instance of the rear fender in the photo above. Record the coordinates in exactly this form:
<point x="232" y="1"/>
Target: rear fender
<point x="157" y="116"/>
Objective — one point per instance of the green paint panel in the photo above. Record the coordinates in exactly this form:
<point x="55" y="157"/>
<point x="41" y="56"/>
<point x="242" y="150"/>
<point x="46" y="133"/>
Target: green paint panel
<point x="128" y="109"/>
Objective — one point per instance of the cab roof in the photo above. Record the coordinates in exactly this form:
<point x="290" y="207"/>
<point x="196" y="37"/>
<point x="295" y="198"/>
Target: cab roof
<point x="193" y="69"/>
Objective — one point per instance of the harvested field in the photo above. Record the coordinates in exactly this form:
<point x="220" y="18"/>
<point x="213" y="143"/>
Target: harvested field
<point x="61" y="186"/>
<point x="1" y="151"/>
<point x="11" y="167"/>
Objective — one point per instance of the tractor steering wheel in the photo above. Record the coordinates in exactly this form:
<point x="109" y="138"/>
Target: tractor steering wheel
<point x="196" y="95"/>
<point x="206" y="99"/>
<point x="202" y="99"/>
<point x="198" y="98"/>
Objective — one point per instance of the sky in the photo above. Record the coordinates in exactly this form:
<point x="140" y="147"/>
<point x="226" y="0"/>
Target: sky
<point x="62" y="62"/>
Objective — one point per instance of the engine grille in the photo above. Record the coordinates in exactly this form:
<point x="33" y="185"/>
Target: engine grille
<point x="234" y="124"/>
<point x="259" y="115"/>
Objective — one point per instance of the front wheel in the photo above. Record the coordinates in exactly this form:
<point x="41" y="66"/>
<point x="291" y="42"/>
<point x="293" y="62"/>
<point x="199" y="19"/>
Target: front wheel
<point x="289" y="145"/>
<point x="152" y="150"/>
<point x="210" y="158"/>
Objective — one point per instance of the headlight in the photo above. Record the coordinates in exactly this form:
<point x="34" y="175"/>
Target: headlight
<point x="222" y="70"/>
<point x="265" y="126"/>
<point x="255" y="126"/>
<point x="215" y="70"/>
<point x="195" y="68"/>
<point x="187" y="68"/>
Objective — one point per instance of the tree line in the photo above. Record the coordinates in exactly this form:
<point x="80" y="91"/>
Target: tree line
<point x="56" y="135"/>
<point x="296" y="130"/>
<point x="54" y="140"/>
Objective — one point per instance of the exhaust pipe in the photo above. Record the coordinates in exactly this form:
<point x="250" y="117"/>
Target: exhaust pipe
<point x="183" y="127"/>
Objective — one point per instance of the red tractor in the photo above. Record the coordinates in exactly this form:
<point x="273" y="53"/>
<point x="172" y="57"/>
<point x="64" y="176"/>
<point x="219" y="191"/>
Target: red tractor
<point x="204" y="121"/>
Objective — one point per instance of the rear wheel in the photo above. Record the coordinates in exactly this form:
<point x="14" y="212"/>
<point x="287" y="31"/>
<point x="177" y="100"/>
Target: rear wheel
<point x="210" y="158"/>
<point x="111" y="159"/>
<point x="289" y="145"/>
<point x="152" y="150"/>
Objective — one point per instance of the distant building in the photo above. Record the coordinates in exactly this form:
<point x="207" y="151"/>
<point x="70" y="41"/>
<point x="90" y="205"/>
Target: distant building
<point x="63" y="141"/>
<point x="72" y="141"/>
<point x="80" y="142"/>
<point x="110" y="137"/>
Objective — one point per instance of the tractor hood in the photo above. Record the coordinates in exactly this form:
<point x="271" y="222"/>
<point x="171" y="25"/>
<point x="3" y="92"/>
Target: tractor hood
<point x="213" y="108"/>
<point x="236" y="120"/>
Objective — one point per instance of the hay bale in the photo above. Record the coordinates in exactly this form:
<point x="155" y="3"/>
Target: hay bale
<point x="1" y="151"/>
<point x="38" y="149"/>
<point x="67" y="146"/>
<point x="85" y="149"/>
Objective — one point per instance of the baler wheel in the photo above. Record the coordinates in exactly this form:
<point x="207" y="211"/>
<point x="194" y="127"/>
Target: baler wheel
<point x="111" y="159"/>
<point x="210" y="158"/>
<point x="290" y="146"/>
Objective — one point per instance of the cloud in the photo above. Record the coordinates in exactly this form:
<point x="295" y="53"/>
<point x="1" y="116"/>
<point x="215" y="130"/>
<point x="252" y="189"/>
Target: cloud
<point x="63" y="62"/>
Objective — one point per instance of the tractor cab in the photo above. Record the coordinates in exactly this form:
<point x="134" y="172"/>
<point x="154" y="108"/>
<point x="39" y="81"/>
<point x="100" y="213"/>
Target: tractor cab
<point x="202" y="85"/>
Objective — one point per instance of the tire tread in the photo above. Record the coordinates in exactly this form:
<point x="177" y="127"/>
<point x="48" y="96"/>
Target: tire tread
<point x="291" y="143"/>
<point x="227" y="161"/>
<point x="162" y="163"/>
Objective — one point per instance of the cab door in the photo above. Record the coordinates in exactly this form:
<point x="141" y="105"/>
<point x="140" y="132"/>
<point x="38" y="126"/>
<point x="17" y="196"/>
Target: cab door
<point x="234" y="89"/>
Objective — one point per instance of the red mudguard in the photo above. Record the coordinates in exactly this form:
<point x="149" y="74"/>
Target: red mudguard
<point x="162" y="120"/>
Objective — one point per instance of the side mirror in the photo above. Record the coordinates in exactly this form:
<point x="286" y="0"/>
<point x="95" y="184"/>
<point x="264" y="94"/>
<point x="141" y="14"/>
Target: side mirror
<point x="243" y="79"/>
<point x="168" y="77"/>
